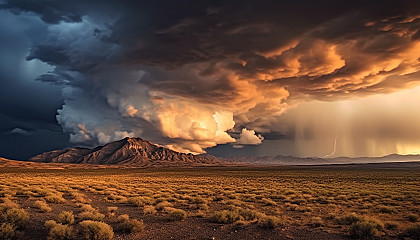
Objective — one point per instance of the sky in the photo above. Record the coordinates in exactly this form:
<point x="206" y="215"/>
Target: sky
<point x="299" y="78"/>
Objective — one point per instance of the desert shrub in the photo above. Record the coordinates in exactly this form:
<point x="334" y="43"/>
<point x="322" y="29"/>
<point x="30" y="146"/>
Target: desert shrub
<point x="123" y="217"/>
<point x="225" y="216"/>
<point x="115" y="198"/>
<point x="54" y="198"/>
<point x="78" y="197"/>
<point x="248" y="214"/>
<point x="385" y="209"/>
<point x="391" y="225"/>
<point x="175" y="214"/>
<point x="162" y="205"/>
<point x="93" y="230"/>
<point x="17" y="217"/>
<point x="61" y="232"/>
<point x="412" y="217"/>
<point x="197" y="200"/>
<point x="127" y="225"/>
<point x="271" y="222"/>
<point x="90" y="215"/>
<point x="378" y="223"/>
<point x="43" y="206"/>
<point x="50" y="223"/>
<point x="363" y="230"/>
<point x="413" y="231"/>
<point x="7" y="203"/>
<point x="141" y="201"/>
<point x="87" y="208"/>
<point x="149" y="209"/>
<point x="315" y="222"/>
<point x="7" y="231"/>
<point x="65" y="217"/>
<point x="349" y="219"/>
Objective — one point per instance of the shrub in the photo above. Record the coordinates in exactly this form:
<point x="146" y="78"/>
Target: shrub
<point x="149" y="209"/>
<point x="128" y="225"/>
<point x="66" y="217"/>
<point x="93" y="230"/>
<point x="175" y="214"/>
<point x="271" y="222"/>
<point x="50" y="223"/>
<point x="225" y="216"/>
<point x="61" y="232"/>
<point x="141" y="201"/>
<point x="87" y="208"/>
<point x="385" y="209"/>
<point x="43" y="206"/>
<point x="7" y="203"/>
<point x="197" y="200"/>
<point x="123" y="217"/>
<point x="413" y="231"/>
<point x="7" y="231"/>
<point x="248" y="214"/>
<point x="16" y="216"/>
<point x="349" y="219"/>
<point x="315" y="222"/>
<point x="54" y="198"/>
<point x="87" y="215"/>
<point x="363" y="229"/>
<point x="162" y="205"/>
<point x="78" y="197"/>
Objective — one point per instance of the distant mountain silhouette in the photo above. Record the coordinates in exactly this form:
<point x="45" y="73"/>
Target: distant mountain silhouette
<point x="289" y="160"/>
<point x="129" y="151"/>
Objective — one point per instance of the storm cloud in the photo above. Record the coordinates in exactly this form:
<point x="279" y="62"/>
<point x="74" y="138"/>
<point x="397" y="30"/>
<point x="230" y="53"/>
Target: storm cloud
<point x="194" y="74"/>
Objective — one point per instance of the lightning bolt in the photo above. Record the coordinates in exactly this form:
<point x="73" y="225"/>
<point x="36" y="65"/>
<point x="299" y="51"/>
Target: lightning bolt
<point x="335" y="146"/>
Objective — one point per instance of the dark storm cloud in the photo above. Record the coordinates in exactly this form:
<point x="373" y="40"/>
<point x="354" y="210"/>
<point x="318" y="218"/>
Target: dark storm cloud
<point x="25" y="105"/>
<point x="192" y="70"/>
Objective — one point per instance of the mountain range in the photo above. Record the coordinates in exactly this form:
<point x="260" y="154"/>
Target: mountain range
<point x="289" y="160"/>
<point x="128" y="151"/>
<point x="139" y="152"/>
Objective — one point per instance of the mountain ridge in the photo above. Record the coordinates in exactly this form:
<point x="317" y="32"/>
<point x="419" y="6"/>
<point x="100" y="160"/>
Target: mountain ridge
<point x="134" y="151"/>
<point x="290" y="160"/>
<point x="139" y="152"/>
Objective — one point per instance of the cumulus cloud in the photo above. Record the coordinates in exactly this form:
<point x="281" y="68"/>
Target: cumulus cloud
<point x="249" y="137"/>
<point x="187" y="74"/>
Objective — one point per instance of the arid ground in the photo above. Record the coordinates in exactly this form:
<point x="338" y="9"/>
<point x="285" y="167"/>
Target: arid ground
<point x="210" y="203"/>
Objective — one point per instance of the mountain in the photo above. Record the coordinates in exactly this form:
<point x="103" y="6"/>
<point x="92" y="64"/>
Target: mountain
<point x="288" y="160"/>
<point x="128" y="151"/>
<point x="139" y="152"/>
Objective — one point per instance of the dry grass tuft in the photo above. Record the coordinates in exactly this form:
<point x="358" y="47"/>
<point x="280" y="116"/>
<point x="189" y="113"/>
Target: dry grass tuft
<point x="94" y="230"/>
<point x="127" y="225"/>
<point x="65" y="217"/>
<point x="43" y="206"/>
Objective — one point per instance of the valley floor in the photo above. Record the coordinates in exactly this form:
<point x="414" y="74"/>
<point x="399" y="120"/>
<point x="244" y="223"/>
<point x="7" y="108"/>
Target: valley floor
<point x="211" y="203"/>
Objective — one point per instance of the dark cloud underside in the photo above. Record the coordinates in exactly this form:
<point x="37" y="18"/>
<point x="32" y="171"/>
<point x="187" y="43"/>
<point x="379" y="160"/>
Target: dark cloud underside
<point x="184" y="73"/>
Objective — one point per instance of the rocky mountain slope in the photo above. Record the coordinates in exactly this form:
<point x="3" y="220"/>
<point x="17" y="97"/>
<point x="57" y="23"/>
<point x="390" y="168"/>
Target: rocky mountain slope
<point x="131" y="151"/>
